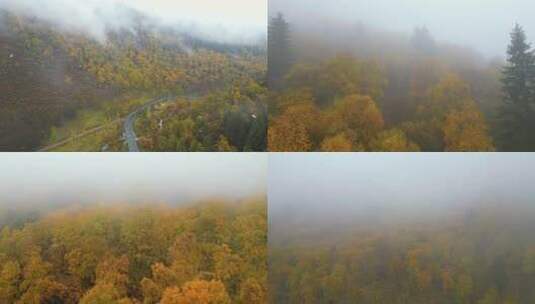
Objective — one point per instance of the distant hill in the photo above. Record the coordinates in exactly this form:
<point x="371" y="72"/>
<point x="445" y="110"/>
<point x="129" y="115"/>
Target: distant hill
<point x="47" y="73"/>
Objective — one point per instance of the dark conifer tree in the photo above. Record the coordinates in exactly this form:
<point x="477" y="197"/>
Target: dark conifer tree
<point x="279" y="53"/>
<point x="423" y="42"/>
<point x="256" y="139"/>
<point x="517" y="117"/>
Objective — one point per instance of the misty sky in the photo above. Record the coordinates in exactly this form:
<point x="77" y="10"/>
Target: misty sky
<point x="481" y="24"/>
<point x="420" y="182"/>
<point x="227" y="20"/>
<point x="47" y="178"/>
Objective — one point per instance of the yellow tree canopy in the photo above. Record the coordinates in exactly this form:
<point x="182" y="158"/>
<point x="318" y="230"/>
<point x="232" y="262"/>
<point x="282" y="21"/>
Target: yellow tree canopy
<point x="465" y="130"/>
<point x="197" y="292"/>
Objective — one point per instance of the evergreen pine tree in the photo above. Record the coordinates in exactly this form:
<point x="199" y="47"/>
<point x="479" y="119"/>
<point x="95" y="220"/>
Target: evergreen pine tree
<point x="279" y="54"/>
<point x="517" y="115"/>
<point x="422" y="42"/>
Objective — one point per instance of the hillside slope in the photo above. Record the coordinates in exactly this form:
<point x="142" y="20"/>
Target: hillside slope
<point x="47" y="75"/>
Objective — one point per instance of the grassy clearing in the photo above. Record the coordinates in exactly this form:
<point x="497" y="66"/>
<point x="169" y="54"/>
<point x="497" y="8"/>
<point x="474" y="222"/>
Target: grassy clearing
<point x="87" y="119"/>
<point x="109" y="137"/>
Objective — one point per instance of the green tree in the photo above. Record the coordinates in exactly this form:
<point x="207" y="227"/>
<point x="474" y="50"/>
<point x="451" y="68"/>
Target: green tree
<point x="517" y="116"/>
<point x="279" y="53"/>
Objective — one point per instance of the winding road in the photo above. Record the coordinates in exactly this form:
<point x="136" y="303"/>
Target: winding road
<point x="129" y="132"/>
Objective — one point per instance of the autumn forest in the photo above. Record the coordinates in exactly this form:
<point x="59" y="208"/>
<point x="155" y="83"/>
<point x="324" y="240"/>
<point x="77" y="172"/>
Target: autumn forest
<point x="71" y="91"/>
<point x="211" y="252"/>
<point x="231" y="152"/>
<point x="485" y="256"/>
<point x="407" y="228"/>
<point x="345" y="87"/>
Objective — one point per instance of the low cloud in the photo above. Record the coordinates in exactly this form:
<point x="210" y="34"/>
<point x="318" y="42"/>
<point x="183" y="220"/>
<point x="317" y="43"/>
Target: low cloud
<point x="34" y="179"/>
<point x="232" y="21"/>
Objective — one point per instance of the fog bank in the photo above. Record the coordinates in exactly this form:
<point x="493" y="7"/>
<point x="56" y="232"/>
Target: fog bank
<point x="483" y="25"/>
<point x="232" y="21"/>
<point x="336" y="189"/>
<point x="42" y="179"/>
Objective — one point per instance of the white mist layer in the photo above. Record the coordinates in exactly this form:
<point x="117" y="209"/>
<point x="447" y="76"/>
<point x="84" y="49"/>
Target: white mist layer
<point x="230" y="21"/>
<point x="43" y="179"/>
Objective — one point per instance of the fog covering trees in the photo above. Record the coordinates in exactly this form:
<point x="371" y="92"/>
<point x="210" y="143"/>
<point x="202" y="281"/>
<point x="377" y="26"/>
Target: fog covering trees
<point x="429" y="89"/>
<point x="133" y="229"/>
<point x="401" y="228"/>
<point x="279" y="50"/>
<point x="234" y="21"/>
<point x="54" y="70"/>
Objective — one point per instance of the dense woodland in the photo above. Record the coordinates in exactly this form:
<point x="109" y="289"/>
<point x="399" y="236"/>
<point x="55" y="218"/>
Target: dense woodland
<point x="214" y="252"/>
<point x="353" y="88"/>
<point x="228" y="121"/>
<point x="483" y="256"/>
<point x="47" y="74"/>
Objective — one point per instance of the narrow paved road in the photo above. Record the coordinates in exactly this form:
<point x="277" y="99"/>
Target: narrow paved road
<point x="129" y="132"/>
